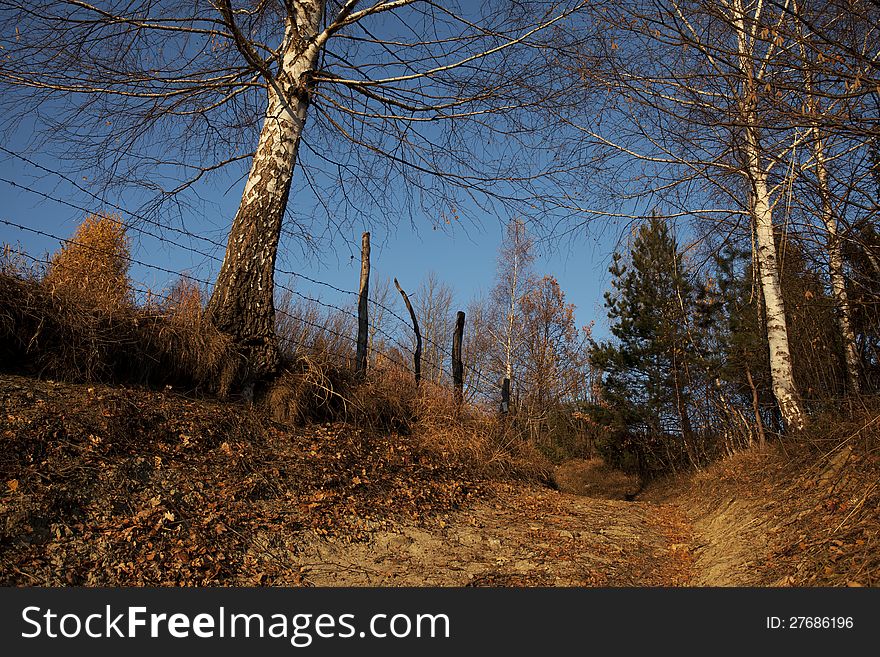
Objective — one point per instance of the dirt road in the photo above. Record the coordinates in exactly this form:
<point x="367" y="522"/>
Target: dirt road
<point x="113" y="486"/>
<point x="522" y="537"/>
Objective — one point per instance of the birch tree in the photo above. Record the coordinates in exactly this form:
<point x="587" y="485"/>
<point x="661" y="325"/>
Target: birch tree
<point x="813" y="105"/>
<point x="514" y="279"/>
<point x="686" y="89"/>
<point x="353" y="95"/>
<point x="837" y="57"/>
<point x="754" y="60"/>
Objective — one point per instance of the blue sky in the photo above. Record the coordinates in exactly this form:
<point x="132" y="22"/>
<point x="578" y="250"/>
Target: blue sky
<point x="463" y="256"/>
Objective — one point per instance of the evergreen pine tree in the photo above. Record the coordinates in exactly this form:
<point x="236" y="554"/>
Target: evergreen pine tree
<point x="645" y="388"/>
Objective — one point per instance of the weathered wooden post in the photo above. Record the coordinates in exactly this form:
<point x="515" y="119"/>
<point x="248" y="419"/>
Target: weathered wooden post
<point x="457" y="366"/>
<point x="363" y="316"/>
<point x="417" y="356"/>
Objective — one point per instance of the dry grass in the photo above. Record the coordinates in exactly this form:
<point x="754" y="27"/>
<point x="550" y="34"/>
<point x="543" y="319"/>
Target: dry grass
<point x="474" y="435"/>
<point x="388" y="401"/>
<point x="594" y="478"/>
<point x="64" y="324"/>
<point x="183" y="345"/>
<point x="57" y="335"/>
<point x="311" y="389"/>
<point x="76" y="319"/>
<point x="805" y="511"/>
<point x="91" y="271"/>
<point x="69" y="333"/>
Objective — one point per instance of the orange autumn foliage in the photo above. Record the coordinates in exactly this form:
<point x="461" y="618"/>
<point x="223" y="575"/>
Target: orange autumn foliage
<point x="92" y="268"/>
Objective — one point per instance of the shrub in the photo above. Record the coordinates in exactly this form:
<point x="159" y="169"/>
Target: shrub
<point x="182" y="346"/>
<point x="60" y="336"/>
<point x="92" y="268"/>
<point x="310" y="389"/>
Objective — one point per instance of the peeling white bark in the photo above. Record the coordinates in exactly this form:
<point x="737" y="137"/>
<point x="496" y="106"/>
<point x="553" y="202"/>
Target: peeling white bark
<point x="781" y="372"/>
<point x="834" y="246"/>
<point x="242" y="303"/>
<point x="777" y="331"/>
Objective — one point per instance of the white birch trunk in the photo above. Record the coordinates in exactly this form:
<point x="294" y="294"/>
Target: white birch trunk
<point x="242" y="304"/>
<point x="781" y="372"/>
<point x="834" y="245"/>
<point x="768" y="269"/>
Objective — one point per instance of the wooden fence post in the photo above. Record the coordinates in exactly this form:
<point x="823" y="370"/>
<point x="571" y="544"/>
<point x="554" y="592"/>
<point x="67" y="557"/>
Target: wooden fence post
<point x="417" y="356"/>
<point x="457" y="366"/>
<point x="363" y="317"/>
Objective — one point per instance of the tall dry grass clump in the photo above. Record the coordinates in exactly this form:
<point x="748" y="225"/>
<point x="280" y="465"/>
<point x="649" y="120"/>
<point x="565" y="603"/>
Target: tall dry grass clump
<point x="386" y="399"/>
<point x="92" y="268"/>
<point x="310" y="389"/>
<point x="316" y="383"/>
<point x="183" y="346"/>
<point x="318" y="387"/>
<point x="21" y="305"/>
<point x="474" y="435"/>
<point x="76" y="319"/>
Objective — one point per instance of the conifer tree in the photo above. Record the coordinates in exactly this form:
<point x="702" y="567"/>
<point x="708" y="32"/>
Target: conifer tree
<point x="645" y="388"/>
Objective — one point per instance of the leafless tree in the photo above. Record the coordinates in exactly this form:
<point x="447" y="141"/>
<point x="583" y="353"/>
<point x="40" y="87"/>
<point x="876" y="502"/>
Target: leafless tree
<point x="379" y="332"/>
<point x="514" y="278"/>
<point x="691" y="121"/>
<point x="412" y="106"/>
<point x="554" y="354"/>
<point x="479" y="383"/>
<point x="746" y="117"/>
<point x="433" y="300"/>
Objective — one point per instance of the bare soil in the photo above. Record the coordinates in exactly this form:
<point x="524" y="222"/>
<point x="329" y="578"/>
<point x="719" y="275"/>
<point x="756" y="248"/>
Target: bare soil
<point x="797" y="513"/>
<point x="521" y="536"/>
<point x="110" y="486"/>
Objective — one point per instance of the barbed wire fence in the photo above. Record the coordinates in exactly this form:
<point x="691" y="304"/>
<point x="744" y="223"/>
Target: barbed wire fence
<point x="151" y="228"/>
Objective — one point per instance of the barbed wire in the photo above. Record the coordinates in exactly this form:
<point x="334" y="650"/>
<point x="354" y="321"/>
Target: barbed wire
<point x="179" y="231"/>
<point x="151" y="295"/>
<point x="446" y="351"/>
<point x="295" y="292"/>
<point x="188" y="276"/>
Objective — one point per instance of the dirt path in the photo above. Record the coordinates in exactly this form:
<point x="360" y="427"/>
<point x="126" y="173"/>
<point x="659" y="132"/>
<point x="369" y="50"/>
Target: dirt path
<point x="522" y="537"/>
<point x="683" y="536"/>
<point x="105" y="486"/>
<point x="115" y="486"/>
<point x="730" y="540"/>
<point x="750" y="520"/>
